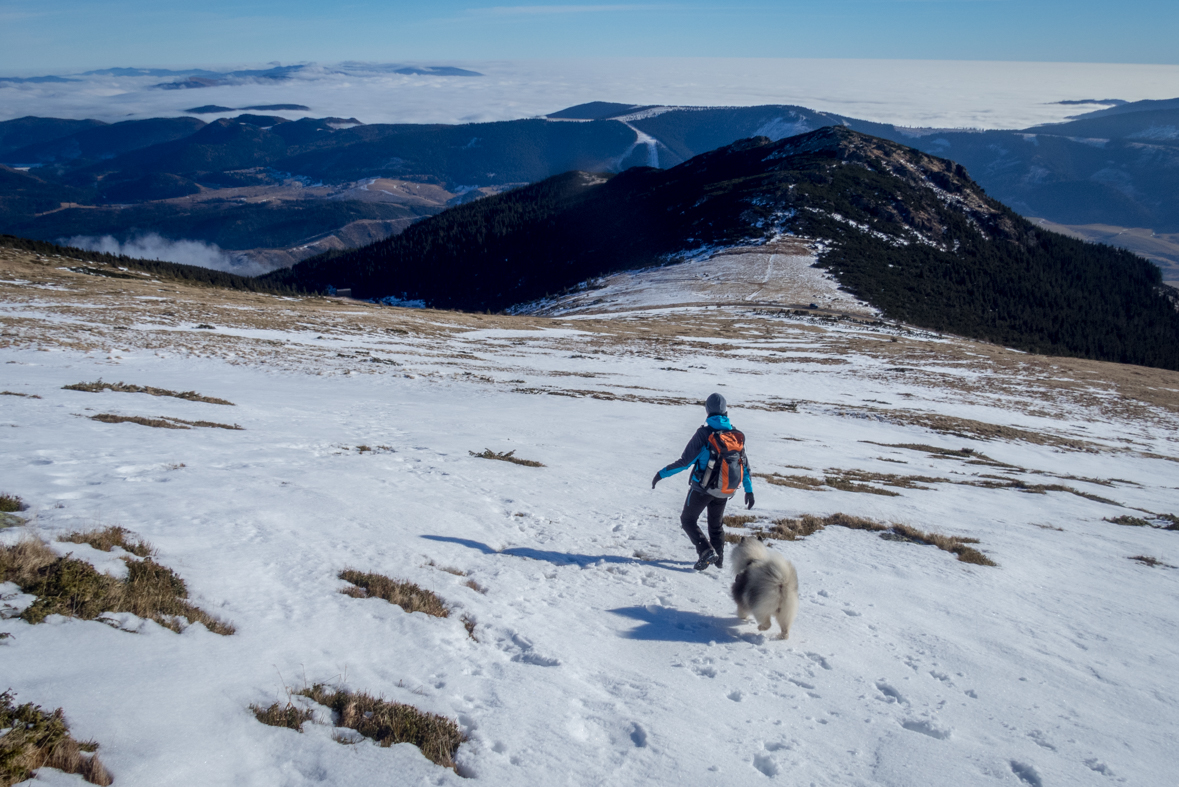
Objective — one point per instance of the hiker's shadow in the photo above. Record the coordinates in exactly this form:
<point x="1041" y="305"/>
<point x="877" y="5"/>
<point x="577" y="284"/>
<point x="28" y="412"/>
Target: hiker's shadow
<point x="666" y="624"/>
<point x="563" y="558"/>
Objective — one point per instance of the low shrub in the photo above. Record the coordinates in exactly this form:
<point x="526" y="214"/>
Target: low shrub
<point x="98" y="386"/>
<point x="72" y="587"/>
<point x="404" y="594"/>
<point x="10" y="503"/>
<point x="388" y="723"/>
<point x="109" y="537"/>
<point x="278" y="715"/>
<point x="507" y="456"/>
<point x="35" y="739"/>
<point x="792" y="529"/>
<point x="163" y="422"/>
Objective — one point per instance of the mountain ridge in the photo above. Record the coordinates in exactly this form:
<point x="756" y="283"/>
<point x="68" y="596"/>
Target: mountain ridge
<point x="905" y="231"/>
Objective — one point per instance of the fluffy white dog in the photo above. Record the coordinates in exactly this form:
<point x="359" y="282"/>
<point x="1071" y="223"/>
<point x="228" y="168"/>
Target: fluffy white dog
<point x="765" y="586"/>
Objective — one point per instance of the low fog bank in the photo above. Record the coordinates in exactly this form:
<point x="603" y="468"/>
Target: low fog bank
<point x="187" y="252"/>
<point x="938" y="94"/>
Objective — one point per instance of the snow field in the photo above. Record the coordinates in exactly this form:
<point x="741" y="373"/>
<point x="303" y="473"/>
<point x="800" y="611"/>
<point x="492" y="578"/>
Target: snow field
<point x="592" y="666"/>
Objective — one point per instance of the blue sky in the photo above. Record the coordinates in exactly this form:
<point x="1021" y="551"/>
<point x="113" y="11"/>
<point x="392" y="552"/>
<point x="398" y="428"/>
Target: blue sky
<point x="57" y="35"/>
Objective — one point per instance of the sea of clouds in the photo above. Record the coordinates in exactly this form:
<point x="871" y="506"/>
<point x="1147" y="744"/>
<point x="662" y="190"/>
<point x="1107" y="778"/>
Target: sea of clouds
<point x="927" y="93"/>
<point x="151" y="246"/>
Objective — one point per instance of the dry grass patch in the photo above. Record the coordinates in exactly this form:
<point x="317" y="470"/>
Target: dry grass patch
<point x="954" y="544"/>
<point x="99" y="386"/>
<point x="968" y="428"/>
<point x="793" y="481"/>
<point x="278" y="715"/>
<point x="406" y="595"/>
<point x="968" y="455"/>
<point x="507" y="456"/>
<point x="475" y="586"/>
<point x="36" y="739"/>
<point x="1171" y="521"/>
<point x="388" y="723"/>
<point x="469" y="625"/>
<point x="993" y="482"/>
<point x="458" y="572"/>
<point x="794" y="528"/>
<point x="11" y="503"/>
<point x="163" y="422"/>
<point x="109" y="537"/>
<point x="739" y="520"/>
<point x="74" y="588"/>
<point x="375" y="449"/>
<point x="14" y="393"/>
<point x="1153" y="562"/>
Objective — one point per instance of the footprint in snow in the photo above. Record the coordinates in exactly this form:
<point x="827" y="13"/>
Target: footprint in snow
<point x="526" y="653"/>
<point x="890" y="694"/>
<point x="1027" y="773"/>
<point x="933" y="730"/>
<point x="766" y="764"/>
<point x="822" y="662"/>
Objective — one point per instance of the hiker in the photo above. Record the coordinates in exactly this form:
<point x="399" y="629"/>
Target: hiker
<point x="716" y="454"/>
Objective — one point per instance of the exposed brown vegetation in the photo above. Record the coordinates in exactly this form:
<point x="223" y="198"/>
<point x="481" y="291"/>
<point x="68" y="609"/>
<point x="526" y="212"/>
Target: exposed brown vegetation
<point x="469" y="625"/>
<point x="955" y="544"/>
<point x="36" y="739"/>
<point x="739" y="520"/>
<point x="98" y="386"/>
<point x="11" y="503"/>
<point x="14" y="393"/>
<point x="1166" y="521"/>
<point x="378" y="449"/>
<point x="72" y="587"/>
<point x="108" y="538"/>
<point x="475" y="586"/>
<point x="163" y="422"/>
<point x="794" y="528"/>
<point x="1153" y="562"/>
<point x="507" y="456"/>
<point x="969" y="455"/>
<point x="448" y="569"/>
<point x="968" y="428"/>
<point x="862" y="480"/>
<point x="793" y="481"/>
<point x="279" y="715"/>
<point x="387" y="723"/>
<point x="404" y="594"/>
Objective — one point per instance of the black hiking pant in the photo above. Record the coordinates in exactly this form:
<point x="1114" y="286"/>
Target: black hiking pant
<point x="696" y="502"/>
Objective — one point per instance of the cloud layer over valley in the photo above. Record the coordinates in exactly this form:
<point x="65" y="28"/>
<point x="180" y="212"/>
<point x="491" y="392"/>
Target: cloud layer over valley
<point x="927" y="93"/>
<point x="152" y="246"/>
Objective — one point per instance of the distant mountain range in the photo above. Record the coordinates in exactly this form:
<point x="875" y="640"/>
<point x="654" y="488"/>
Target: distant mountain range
<point x="909" y="233"/>
<point x="1114" y="168"/>
<point x="183" y="79"/>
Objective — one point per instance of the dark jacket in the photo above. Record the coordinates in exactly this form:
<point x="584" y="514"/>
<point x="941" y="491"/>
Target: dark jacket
<point x="696" y="454"/>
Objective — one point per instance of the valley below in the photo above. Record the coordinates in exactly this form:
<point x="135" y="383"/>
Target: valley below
<point x="579" y="645"/>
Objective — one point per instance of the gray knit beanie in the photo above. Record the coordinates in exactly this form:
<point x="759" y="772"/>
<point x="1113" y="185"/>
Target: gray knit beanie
<point x="716" y="405"/>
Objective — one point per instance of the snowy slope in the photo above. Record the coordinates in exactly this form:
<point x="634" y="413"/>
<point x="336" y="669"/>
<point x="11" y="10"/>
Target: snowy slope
<point x="779" y="273"/>
<point x="602" y="658"/>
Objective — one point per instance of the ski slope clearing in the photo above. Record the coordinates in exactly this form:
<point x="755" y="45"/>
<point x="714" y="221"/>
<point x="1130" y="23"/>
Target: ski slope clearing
<point x="595" y="655"/>
<point x="775" y="274"/>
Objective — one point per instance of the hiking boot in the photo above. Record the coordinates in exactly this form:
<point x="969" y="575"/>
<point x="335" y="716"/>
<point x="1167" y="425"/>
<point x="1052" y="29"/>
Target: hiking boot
<point x="720" y="560"/>
<point x="707" y="558"/>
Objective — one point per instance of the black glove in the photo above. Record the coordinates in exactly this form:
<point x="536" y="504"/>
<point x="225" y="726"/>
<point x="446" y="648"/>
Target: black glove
<point x="749" y="500"/>
<point x="656" y="480"/>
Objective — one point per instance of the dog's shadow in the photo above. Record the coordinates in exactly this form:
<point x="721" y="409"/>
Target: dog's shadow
<point x="563" y="558"/>
<point x="667" y="624"/>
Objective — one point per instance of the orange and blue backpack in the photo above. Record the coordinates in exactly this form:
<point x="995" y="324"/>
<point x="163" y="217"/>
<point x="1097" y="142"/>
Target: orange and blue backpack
<point x="725" y="471"/>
